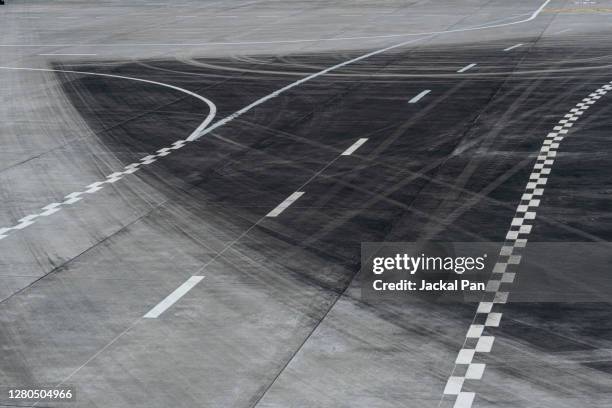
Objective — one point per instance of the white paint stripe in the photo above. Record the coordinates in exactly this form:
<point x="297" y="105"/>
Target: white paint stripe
<point x="467" y="67"/>
<point x="71" y="55"/>
<point x="513" y="47"/>
<point x="74" y="197"/>
<point x="464" y="400"/>
<point x="211" y="106"/>
<point x="419" y="96"/>
<point x="293" y="85"/>
<point x="202" y="129"/>
<point x="534" y="15"/>
<point x="520" y="226"/>
<point x="354" y="147"/>
<point x="173" y="297"/>
<point x="283" y="206"/>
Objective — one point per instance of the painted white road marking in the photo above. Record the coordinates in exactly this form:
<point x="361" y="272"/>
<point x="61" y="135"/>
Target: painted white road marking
<point x="533" y="16"/>
<point x="274" y="94"/>
<point x="354" y="147"/>
<point x="419" y="96"/>
<point x="488" y="313"/>
<point x="203" y="129"/>
<point x="75" y="197"/>
<point x="69" y="55"/>
<point x="467" y="67"/>
<point x="283" y="206"/>
<point x="172" y="298"/>
<point x="513" y="47"/>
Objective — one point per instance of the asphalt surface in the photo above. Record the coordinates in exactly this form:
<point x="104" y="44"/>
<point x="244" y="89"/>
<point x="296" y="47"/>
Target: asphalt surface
<point x="278" y="320"/>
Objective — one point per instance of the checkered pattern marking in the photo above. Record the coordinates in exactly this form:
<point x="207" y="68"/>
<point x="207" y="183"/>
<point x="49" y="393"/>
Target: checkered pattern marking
<point x="92" y="188"/>
<point x="489" y="310"/>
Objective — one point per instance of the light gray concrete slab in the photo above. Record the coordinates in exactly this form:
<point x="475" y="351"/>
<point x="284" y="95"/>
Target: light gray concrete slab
<point x="270" y="325"/>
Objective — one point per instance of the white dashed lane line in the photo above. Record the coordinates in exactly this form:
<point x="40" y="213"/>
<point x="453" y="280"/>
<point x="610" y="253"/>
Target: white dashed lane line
<point x="513" y="47"/>
<point x="419" y="96"/>
<point x="467" y="67"/>
<point x="489" y="310"/>
<point x="285" y="204"/>
<point x="191" y="282"/>
<point x="172" y="298"/>
<point x="354" y="147"/>
<point x="201" y="130"/>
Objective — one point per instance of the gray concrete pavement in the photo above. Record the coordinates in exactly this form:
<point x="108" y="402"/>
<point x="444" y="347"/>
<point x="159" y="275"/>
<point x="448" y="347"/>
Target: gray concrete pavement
<point x="277" y="320"/>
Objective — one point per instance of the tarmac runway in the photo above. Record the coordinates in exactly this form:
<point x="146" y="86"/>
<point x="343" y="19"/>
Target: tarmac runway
<point x="186" y="187"/>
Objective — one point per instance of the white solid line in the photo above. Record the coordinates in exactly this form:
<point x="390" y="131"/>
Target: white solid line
<point x="282" y="206"/>
<point x="354" y="147"/>
<point x="372" y="37"/>
<point x="173" y="297"/>
<point x="513" y="47"/>
<point x="419" y="96"/>
<point x="211" y="106"/>
<point x="203" y="129"/>
<point x="467" y="67"/>
<point x="276" y="93"/>
<point x="539" y="10"/>
<point x="71" y="55"/>
<point x="72" y="198"/>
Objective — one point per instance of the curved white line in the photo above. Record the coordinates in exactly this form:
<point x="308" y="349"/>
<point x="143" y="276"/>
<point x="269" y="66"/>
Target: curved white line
<point x="323" y="72"/>
<point x="201" y="130"/>
<point x="374" y="37"/>
<point x="131" y="168"/>
<point x="211" y="106"/>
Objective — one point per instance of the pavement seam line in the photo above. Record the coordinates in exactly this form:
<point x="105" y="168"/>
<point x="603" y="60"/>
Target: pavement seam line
<point x="76" y="196"/>
<point x="489" y="310"/>
<point x="202" y="130"/>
